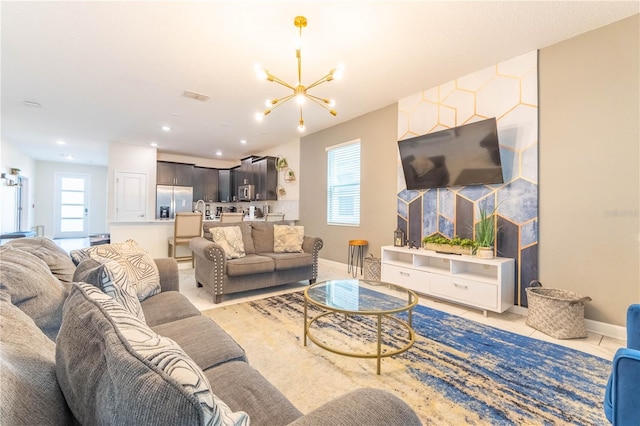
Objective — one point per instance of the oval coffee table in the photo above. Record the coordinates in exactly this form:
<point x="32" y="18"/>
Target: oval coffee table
<point x="351" y="297"/>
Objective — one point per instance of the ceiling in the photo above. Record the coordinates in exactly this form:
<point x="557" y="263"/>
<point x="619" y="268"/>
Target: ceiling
<point x="105" y="72"/>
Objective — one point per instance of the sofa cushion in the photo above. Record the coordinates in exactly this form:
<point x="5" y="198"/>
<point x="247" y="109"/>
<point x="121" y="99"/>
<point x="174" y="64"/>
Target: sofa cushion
<point x="243" y="388"/>
<point x="203" y="340"/>
<point x="58" y="260"/>
<point x="251" y="264"/>
<point x="166" y="307"/>
<point x="245" y="228"/>
<point x="108" y="276"/>
<point x="30" y="392"/>
<point x="32" y="287"/>
<point x="290" y="260"/>
<point x="108" y="362"/>
<point x="287" y="238"/>
<point x="137" y="264"/>
<point x="230" y="239"/>
<point x="262" y="233"/>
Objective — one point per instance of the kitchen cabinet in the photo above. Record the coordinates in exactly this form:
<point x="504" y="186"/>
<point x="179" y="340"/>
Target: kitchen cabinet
<point x="224" y="185"/>
<point x="235" y="181"/>
<point x="177" y="174"/>
<point x="205" y="184"/>
<point x="265" y="178"/>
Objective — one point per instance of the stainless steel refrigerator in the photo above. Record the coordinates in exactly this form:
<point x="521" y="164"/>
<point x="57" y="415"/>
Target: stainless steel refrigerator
<point x="172" y="199"/>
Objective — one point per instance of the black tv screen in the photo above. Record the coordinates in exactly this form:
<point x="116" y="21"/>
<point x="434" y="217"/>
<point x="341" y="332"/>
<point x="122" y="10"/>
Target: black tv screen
<point x="464" y="155"/>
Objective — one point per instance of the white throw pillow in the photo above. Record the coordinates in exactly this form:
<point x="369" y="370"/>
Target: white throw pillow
<point x="230" y="239"/>
<point x="287" y="238"/>
<point x="108" y="276"/>
<point x="139" y="267"/>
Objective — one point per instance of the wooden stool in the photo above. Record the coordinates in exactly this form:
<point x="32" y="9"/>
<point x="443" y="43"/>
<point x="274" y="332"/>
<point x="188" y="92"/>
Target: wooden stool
<point x="356" y="256"/>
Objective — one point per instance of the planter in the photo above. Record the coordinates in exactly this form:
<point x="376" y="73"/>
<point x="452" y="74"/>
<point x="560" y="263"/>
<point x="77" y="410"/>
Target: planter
<point x="447" y="248"/>
<point x="484" y="252"/>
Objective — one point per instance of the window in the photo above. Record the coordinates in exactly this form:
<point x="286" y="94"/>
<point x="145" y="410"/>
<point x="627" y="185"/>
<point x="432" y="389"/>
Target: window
<point x="343" y="184"/>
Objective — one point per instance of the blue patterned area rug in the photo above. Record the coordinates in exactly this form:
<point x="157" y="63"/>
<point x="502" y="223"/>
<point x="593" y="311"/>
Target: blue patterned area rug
<point x="457" y="372"/>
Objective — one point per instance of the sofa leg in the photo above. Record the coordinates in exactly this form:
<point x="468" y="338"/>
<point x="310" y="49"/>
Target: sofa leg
<point x="312" y="281"/>
<point x="217" y="298"/>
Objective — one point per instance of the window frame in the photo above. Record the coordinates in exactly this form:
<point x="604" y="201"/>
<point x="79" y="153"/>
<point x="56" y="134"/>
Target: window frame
<point x="346" y="189"/>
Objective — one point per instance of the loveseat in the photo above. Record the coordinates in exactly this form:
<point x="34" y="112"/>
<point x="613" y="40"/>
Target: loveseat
<point x="257" y="265"/>
<point x="72" y="353"/>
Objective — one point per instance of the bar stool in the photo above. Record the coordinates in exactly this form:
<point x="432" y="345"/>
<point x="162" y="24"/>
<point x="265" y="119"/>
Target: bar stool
<point x="356" y="256"/>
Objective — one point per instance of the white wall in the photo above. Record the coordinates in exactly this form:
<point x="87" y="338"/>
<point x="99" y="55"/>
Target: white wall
<point x="11" y="157"/>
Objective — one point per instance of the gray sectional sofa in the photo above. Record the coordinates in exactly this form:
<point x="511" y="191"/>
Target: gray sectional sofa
<point x="68" y="355"/>
<point x="261" y="267"/>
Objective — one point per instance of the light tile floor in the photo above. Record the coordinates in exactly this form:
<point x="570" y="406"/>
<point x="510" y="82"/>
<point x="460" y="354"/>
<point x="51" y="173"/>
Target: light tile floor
<point x="595" y="344"/>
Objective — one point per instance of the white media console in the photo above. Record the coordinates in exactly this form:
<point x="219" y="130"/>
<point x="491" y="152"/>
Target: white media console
<point x="486" y="284"/>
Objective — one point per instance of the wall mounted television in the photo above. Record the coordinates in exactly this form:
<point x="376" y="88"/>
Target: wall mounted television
<point x="463" y="155"/>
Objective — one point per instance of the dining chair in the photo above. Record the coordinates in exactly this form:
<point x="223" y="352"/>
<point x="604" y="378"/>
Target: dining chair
<point x="274" y="217"/>
<point x="229" y="217"/>
<point x="185" y="227"/>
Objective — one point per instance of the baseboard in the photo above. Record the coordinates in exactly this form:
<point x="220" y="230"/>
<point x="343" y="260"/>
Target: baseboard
<point x="603" y="328"/>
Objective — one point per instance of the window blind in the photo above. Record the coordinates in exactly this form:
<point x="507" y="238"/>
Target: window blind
<point x="343" y="184"/>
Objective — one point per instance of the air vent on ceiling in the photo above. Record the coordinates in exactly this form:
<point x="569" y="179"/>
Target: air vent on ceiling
<point x="195" y="95"/>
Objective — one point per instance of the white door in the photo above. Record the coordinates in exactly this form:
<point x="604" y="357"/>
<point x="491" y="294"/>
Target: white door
<point x="71" y="206"/>
<point x="131" y="196"/>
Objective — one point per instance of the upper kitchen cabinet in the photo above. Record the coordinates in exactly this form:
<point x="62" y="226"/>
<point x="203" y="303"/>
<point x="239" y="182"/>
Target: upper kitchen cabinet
<point x="174" y="174"/>
<point x="224" y="185"/>
<point x="210" y="187"/>
<point x="265" y="178"/>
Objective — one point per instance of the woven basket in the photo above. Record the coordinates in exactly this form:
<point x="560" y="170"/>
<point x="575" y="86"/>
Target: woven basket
<point x="558" y="313"/>
<point x="372" y="268"/>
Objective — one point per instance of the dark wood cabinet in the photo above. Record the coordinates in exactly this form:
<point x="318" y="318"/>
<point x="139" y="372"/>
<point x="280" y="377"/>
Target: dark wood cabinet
<point x="205" y="184"/>
<point x="224" y="185"/>
<point x="265" y="178"/>
<point x="174" y="174"/>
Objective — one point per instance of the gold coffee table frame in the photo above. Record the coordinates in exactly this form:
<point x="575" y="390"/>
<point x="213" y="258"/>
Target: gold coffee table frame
<point x="412" y="300"/>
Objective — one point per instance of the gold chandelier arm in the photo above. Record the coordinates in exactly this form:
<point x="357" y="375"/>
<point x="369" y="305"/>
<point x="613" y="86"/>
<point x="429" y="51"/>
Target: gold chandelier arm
<point x="299" y="56"/>
<point x="321" y="102"/>
<point x="274" y="79"/>
<point x="324" y="79"/>
<point x="281" y="101"/>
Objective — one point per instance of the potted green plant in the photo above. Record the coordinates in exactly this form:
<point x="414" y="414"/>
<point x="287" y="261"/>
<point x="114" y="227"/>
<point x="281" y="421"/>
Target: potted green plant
<point x="442" y="244"/>
<point x="485" y="234"/>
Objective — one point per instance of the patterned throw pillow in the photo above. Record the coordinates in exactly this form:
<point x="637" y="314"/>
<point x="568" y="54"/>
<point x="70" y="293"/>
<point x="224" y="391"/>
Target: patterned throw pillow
<point x="138" y="266"/>
<point x="167" y="357"/>
<point x="287" y="239"/>
<point x="108" y="276"/>
<point x="230" y="239"/>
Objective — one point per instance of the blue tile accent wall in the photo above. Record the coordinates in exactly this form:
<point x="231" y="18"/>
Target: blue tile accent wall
<point x="509" y="92"/>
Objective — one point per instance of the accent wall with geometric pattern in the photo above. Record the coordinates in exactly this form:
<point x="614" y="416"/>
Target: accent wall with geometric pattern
<point x="507" y="91"/>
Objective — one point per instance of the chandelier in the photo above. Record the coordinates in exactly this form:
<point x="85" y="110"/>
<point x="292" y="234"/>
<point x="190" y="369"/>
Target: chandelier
<point x="299" y="92"/>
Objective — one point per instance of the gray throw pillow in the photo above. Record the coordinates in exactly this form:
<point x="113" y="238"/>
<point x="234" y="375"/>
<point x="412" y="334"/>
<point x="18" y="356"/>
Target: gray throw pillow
<point x="113" y="369"/>
<point x="30" y="392"/>
<point x="32" y="287"/>
<point x="140" y="268"/>
<point x="58" y="260"/>
<point x="108" y="276"/>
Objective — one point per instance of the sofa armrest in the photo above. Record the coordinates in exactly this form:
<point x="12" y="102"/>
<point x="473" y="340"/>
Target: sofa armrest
<point x="169" y="276"/>
<point x="207" y="249"/>
<point x="633" y="327"/>
<point x="622" y="397"/>
<point x="362" y="407"/>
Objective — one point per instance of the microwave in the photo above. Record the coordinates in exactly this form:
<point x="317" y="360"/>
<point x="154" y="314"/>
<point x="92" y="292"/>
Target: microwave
<point x="246" y="192"/>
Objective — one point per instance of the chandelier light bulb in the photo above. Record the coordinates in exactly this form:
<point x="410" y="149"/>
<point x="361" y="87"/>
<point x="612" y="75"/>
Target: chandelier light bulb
<point x="301" y="126"/>
<point x="259" y="116"/>
<point x="261" y="73"/>
<point x="339" y="72"/>
<point x="300" y="99"/>
<point x="267" y="103"/>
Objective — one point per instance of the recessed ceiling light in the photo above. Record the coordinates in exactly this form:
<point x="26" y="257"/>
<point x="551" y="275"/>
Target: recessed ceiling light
<point x="154" y="144"/>
<point x="218" y="153"/>
<point x="68" y="156"/>
<point x="243" y="141"/>
<point x="61" y="142"/>
<point x="166" y="128"/>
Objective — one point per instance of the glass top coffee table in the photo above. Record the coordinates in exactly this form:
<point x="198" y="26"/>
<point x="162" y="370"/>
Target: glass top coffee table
<point x="350" y="304"/>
